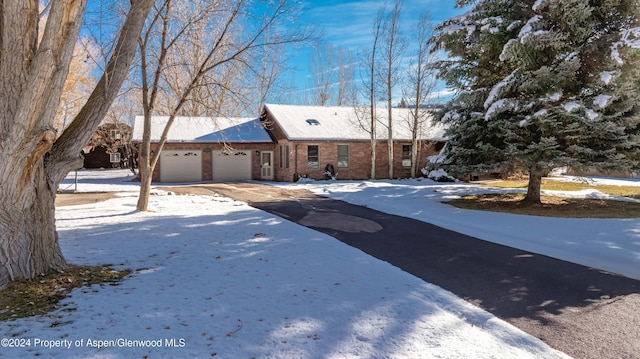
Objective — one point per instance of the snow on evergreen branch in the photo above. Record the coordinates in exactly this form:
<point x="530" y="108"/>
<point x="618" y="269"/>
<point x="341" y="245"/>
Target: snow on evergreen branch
<point x="602" y="100"/>
<point x="527" y="29"/>
<point x="539" y="5"/>
<point x="556" y="96"/>
<point x="507" y="50"/>
<point x="491" y="24"/>
<point x="514" y="25"/>
<point x="453" y="28"/>
<point x="571" y="106"/>
<point x="607" y="76"/>
<point x="591" y="114"/>
<point x="450" y="116"/>
<point x="500" y="106"/>
<point x="456" y="24"/>
<point x="495" y="91"/>
<point x="628" y="38"/>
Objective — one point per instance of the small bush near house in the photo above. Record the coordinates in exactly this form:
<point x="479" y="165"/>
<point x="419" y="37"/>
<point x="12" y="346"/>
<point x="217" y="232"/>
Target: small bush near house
<point x="440" y="176"/>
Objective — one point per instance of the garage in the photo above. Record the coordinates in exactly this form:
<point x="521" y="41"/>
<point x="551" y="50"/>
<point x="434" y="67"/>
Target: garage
<point x="207" y="149"/>
<point x="231" y="165"/>
<point x="181" y="166"/>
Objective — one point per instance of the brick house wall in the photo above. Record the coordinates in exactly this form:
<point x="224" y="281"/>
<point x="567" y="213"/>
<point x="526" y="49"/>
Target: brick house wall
<point x="359" y="166"/>
<point x="291" y="156"/>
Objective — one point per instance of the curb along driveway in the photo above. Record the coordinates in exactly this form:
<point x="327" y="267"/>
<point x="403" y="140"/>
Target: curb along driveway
<point x="581" y="311"/>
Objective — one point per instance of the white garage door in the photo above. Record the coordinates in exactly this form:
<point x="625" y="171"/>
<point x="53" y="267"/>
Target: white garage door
<point x="231" y="166"/>
<point x="181" y="166"/>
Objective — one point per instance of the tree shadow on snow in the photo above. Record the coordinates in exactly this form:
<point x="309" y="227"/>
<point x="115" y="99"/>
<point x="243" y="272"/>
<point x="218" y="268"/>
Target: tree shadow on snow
<point x="539" y="294"/>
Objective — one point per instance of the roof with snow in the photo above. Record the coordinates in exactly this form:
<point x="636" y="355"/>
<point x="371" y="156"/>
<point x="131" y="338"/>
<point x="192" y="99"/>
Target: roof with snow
<point x="347" y="123"/>
<point x="204" y="129"/>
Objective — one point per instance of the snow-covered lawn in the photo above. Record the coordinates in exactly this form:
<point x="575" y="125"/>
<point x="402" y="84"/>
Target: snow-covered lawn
<point x="217" y="278"/>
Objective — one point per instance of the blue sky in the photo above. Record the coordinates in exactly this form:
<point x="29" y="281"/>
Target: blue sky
<point x="348" y="23"/>
<point x="344" y="24"/>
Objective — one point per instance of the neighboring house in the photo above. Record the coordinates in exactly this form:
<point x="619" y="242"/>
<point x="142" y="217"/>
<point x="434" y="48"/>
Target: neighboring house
<point x="312" y="138"/>
<point x="209" y="149"/>
<point x="285" y="143"/>
<point x="109" y="146"/>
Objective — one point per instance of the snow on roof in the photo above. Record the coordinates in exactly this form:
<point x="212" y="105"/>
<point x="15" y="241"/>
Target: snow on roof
<point x="204" y="129"/>
<point x="344" y="123"/>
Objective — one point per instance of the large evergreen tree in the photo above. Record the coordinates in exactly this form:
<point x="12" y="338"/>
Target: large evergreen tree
<point x="543" y="84"/>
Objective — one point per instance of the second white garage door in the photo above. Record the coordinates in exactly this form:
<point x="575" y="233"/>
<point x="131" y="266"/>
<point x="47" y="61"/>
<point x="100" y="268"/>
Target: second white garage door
<point x="231" y="166"/>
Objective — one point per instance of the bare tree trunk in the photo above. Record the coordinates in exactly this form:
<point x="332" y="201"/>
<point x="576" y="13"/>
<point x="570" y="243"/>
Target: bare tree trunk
<point x="372" y="109"/>
<point x="420" y="84"/>
<point x="322" y="64"/>
<point x="145" y="185"/>
<point x="345" y="75"/>
<point x="271" y="70"/>
<point x="31" y="82"/>
<point x="34" y="161"/>
<point x="393" y="48"/>
<point x="390" y="139"/>
<point x="534" y="186"/>
<point x="29" y="242"/>
<point x="371" y="62"/>
<point x="414" y="153"/>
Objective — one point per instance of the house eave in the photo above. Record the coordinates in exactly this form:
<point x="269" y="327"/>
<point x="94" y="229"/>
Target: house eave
<point x="317" y="139"/>
<point x="208" y="142"/>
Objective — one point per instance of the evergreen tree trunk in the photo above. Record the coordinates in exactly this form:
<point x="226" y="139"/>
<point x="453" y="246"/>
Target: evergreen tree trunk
<point x="534" y="186"/>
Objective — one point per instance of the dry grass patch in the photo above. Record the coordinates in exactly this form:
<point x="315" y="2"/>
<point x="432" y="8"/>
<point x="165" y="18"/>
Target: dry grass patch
<point x="39" y="296"/>
<point x="550" y="207"/>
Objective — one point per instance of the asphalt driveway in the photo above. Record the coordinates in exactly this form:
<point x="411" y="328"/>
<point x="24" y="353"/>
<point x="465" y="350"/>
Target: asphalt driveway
<point x="581" y="311"/>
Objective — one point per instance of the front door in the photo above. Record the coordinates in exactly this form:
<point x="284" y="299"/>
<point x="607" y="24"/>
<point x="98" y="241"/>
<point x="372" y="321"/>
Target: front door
<point x="266" y="165"/>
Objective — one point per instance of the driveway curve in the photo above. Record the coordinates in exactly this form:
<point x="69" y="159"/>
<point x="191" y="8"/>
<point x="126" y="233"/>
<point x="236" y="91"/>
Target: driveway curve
<point x="582" y="311"/>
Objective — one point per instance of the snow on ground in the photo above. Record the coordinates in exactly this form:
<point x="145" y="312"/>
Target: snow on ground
<point x="600" y="180"/>
<point x="608" y="244"/>
<point x="217" y="278"/>
<point x="99" y="181"/>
